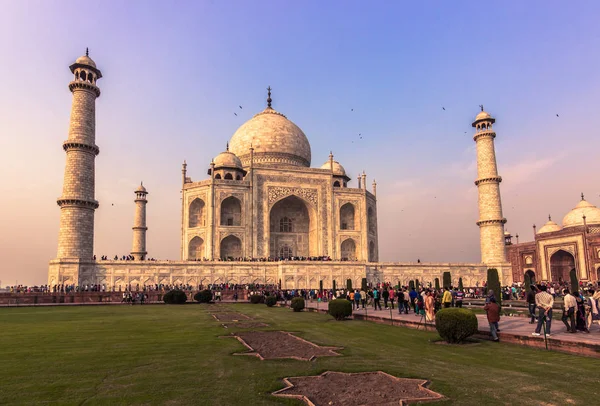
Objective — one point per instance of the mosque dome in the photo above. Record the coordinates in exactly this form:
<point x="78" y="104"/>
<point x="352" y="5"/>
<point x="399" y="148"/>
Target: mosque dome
<point x="86" y="60"/>
<point x="575" y="217"/>
<point x="227" y="159"/>
<point x="275" y="139"/>
<point x="549" y="227"/>
<point x="141" y="189"/>
<point x="338" y="169"/>
<point x="483" y="115"/>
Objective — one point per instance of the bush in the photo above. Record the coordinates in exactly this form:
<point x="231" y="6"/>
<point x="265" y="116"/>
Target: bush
<point x="271" y="301"/>
<point x="446" y="280"/>
<point x="363" y="284"/>
<point x="175" y="297"/>
<point x="493" y="283"/>
<point x="256" y="299"/>
<point x="297" y="304"/>
<point x="437" y="283"/>
<point x="203" y="296"/>
<point x="340" y="309"/>
<point x="460" y="285"/>
<point x="455" y="325"/>
<point x="574" y="281"/>
<point x="349" y="285"/>
<point x="527" y="283"/>
<point x="411" y="284"/>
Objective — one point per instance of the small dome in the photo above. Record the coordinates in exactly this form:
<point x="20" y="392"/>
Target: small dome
<point x="507" y="234"/>
<point x="141" y="189"/>
<point x="227" y="159"/>
<point x="575" y="217"/>
<point x="338" y="169"/>
<point x="549" y="227"/>
<point x="482" y="116"/>
<point x="86" y="60"/>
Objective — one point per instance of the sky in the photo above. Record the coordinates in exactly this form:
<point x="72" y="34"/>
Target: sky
<point x="175" y="72"/>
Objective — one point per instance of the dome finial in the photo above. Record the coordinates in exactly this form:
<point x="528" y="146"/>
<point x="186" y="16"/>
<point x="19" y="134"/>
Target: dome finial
<point x="227" y="146"/>
<point x="549" y="218"/>
<point x="481" y="107"/>
<point x="269" y="100"/>
<point x="582" y="196"/>
<point x="87" y="51"/>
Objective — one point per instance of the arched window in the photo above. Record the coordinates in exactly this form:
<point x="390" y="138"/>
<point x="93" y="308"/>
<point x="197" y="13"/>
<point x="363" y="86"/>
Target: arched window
<point x="336" y="183"/>
<point x="238" y="177"/>
<point x="77" y="75"/>
<point x="228" y="176"/>
<point x="231" y="212"/>
<point x="348" y="250"/>
<point x="196" y="214"/>
<point x="218" y="176"/>
<point x="347" y="217"/>
<point x="285" y="252"/>
<point x="83" y="76"/>
<point x="231" y="247"/>
<point x="196" y="249"/>
<point x="371" y="220"/>
<point x="285" y="225"/>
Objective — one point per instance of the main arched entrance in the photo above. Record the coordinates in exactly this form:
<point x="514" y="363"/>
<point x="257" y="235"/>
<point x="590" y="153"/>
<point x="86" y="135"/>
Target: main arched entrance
<point x="561" y="263"/>
<point x="293" y="229"/>
<point x="531" y="275"/>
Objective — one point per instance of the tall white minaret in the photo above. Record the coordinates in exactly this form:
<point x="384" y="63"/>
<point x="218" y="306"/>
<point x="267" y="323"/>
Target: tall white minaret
<point x="78" y="202"/>
<point x="491" y="222"/>
<point x="138" y="249"/>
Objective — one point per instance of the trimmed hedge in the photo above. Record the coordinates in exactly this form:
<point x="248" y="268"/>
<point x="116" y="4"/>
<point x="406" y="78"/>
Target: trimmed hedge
<point x="271" y="301"/>
<point x="339" y="309"/>
<point x="175" y="297"/>
<point x="493" y="283"/>
<point x="297" y="304"/>
<point x="203" y="296"/>
<point x="256" y="299"/>
<point x="446" y="280"/>
<point x="455" y="324"/>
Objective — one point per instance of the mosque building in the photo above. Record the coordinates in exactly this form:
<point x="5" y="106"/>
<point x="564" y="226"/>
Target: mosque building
<point x="264" y="215"/>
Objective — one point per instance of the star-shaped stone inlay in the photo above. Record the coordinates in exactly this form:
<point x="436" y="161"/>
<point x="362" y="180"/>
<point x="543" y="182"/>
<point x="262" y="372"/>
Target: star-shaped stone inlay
<point x="281" y="344"/>
<point x="366" y="388"/>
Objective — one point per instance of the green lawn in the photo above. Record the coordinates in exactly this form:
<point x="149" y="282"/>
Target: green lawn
<point x="172" y="355"/>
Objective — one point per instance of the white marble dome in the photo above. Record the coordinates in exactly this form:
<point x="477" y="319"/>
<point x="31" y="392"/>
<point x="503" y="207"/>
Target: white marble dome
<point x="275" y="139"/>
<point x="482" y="116"/>
<point x="549" y="227"/>
<point x="575" y="217"/>
<point x="338" y="169"/>
<point x="86" y="60"/>
<point x="227" y="159"/>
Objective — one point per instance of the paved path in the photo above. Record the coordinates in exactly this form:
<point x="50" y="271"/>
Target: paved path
<point x="508" y="325"/>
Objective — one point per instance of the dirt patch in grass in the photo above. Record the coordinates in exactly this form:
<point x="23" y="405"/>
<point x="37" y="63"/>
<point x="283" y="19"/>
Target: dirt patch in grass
<point x="245" y="325"/>
<point x="230" y="317"/>
<point x="366" y="388"/>
<point x="279" y="344"/>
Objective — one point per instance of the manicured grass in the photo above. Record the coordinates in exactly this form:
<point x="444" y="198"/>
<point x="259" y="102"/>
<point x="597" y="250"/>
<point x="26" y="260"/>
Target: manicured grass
<point x="173" y="355"/>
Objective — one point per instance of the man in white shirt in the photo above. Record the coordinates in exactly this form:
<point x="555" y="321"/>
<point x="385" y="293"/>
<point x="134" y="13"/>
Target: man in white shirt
<point x="544" y="302"/>
<point x="569" y="310"/>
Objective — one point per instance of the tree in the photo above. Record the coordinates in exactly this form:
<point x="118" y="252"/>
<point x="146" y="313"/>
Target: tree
<point x="321" y="286"/>
<point x="460" y="284"/>
<point x="364" y="285"/>
<point x="417" y="285"/>
<point x="493" y="283"/>
<point x="437" y="283"/>
<point x="349" y="285"/>
<point x="574" y="281"/>
<point x="527" y="283"/>
<point x="334" y="288"/>
<point x="411" y="284"/>
<point x="447" y="280"/>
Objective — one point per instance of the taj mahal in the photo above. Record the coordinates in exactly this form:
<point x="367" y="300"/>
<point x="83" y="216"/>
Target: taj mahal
<point x="264" y="214"/>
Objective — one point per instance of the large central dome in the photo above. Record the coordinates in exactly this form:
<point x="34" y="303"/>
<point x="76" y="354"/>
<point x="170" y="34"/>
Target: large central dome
<point x="275" y="139"/>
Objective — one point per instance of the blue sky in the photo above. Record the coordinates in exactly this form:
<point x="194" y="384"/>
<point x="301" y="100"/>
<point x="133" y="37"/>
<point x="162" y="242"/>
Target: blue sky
<point x="174" y="73"/>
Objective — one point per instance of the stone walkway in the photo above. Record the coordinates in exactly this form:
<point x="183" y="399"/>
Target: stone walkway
<point x="512" y="329"/>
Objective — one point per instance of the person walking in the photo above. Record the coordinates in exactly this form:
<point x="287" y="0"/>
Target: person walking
<point x="386" y="295"/>
<point x="570" y="306"/>
<point x="581" y="322"/>
<point x="544" y="302"/>
<point x="493" y="315"/>
<point x="413" y="298"/>
<point x="363" y="298"/>
<point x="531" y="303"/>
<point x="429" y="307"/>
<point x="392" y="297"/>
<point x="594" y="304"/>
<point x="447" y="298"/>
<point x="376" y="299"/>
<point x="459" y="298"/>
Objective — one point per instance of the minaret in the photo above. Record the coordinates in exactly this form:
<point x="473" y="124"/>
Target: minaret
<point x="491" y="222"/>
<point x="138" y="249"/>
<point x="77" y="203"/>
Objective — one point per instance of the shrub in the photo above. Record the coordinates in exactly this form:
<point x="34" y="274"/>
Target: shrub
<point x="271" y="301"/>
<point x="446" y="280"/>
<point x="460" y="284"/>
<point x="349" y="285"/>
<point x="493" y="283"/>
<point x="574" y="281"/>
<point x="175" y="297"/>
<point x="437" y="283"/>
<point x="297" y="304"/>
<point x="411" y="284"/>
<point x="527" y="283"/>
<point x="321" y="286"/>
<point x="339" y="309"/>
<point x="455" y="325"/>
<point x="203" y="296"/>
<point x="256" y="299"/>
<point x="363" y="284"/>
<point x="417" y="284"/>
<point x="334" y="287"/>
